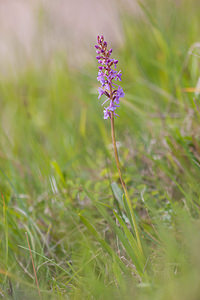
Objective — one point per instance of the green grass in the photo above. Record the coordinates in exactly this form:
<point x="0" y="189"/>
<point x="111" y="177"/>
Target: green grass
<point x="59" y="182"/>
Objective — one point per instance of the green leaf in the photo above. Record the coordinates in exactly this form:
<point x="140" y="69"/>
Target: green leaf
<point x="117" y="193"/>
<point x="103" y="243"/>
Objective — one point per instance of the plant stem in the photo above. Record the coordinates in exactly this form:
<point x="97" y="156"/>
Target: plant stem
<point x="123" y="183"/>
<point x="34" y="270"/>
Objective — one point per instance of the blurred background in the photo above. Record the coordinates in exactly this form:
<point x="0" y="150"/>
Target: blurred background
<point x="32" y="30"/>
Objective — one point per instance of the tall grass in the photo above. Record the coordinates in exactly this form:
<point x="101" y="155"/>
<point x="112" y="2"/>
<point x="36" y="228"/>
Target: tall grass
<point x="59" y="182"/>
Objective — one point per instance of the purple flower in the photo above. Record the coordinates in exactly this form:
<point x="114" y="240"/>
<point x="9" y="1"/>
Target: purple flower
<point x="101" y="78"/>
<point x="120" y="92"/>
<point x="101" y="92"/>
<point x="115" y="62"/>
<point x="106" y="76"/>
<point x="119" y="76"/>
<point x="107" y="113"/>
<point x="112" y="106"/>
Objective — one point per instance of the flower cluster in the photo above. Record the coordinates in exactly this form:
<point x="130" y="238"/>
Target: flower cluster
<point x="106" y="76"/>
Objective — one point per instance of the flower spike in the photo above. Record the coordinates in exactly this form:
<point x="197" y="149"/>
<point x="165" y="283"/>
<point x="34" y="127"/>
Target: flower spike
<point x="106" y="76"/>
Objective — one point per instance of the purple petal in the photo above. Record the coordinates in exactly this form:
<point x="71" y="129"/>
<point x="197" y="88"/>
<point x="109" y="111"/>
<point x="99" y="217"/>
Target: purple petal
<point x="107" y="113"/>
<point x="101" y="92"/>
<point x="105" y="101"/>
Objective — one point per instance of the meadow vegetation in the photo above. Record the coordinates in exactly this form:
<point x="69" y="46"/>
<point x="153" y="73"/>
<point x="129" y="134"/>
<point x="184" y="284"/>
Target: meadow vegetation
<point x="59" y="182"/>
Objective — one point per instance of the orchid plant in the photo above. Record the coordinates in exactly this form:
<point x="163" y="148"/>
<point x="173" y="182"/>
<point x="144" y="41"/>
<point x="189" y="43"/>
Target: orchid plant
<point x="108" y="76"/>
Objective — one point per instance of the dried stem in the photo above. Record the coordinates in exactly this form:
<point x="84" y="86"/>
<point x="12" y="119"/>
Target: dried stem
<point x="34" y="270"/>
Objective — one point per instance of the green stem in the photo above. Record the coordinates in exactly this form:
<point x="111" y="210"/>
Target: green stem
<point x="124" y="185"/>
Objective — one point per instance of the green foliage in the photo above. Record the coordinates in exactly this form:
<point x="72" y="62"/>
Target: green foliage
<point x="59" y="182"/>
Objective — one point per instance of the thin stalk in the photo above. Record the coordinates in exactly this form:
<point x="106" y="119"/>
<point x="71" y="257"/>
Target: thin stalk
<point x="6" y="232"/>
<point x="34" y="270"/>
<point x="123" y="183"/>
